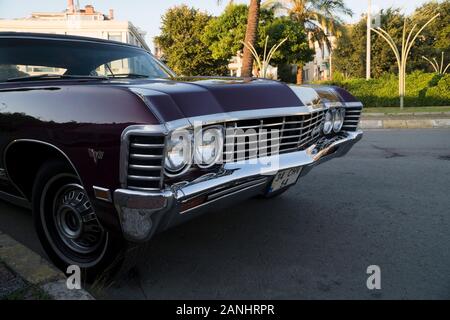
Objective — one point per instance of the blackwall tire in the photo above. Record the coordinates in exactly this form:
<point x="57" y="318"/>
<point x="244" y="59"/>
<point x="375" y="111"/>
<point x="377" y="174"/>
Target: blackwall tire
<point x="68" y="228"/>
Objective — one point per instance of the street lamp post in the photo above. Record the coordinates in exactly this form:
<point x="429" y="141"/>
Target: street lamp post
<point x="369" y="26"/>
<point x="402" y="57"/>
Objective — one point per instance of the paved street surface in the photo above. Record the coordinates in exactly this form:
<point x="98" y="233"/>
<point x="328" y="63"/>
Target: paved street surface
<point x="386" y="203"/>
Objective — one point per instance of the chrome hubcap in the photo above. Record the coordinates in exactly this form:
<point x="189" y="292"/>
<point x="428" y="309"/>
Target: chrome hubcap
<point x="75" y="221"/>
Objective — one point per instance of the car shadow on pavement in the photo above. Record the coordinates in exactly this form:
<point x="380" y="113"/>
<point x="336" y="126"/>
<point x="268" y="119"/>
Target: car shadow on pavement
<point x="229" y="253"/>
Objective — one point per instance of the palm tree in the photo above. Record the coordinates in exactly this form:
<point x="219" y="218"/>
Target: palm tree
<point x="320" y="18"/>
<point x="250" y="36"/>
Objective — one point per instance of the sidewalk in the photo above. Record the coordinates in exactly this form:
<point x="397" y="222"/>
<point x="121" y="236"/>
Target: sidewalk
<point x="405" y="120"/>
<point x="24" y="275"/>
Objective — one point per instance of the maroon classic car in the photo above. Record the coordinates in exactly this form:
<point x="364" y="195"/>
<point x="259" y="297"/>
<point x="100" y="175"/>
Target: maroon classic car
<point x="106" y="145"/>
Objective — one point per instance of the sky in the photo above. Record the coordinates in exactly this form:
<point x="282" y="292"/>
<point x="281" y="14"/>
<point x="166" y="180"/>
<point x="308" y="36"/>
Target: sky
<point x="146" y="14"/>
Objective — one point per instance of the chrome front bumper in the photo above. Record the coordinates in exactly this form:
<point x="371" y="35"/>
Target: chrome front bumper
<point x="143" y="213"/>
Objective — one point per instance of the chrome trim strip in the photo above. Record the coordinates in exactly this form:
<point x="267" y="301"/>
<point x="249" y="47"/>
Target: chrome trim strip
<point x="238" y="187"/>
<point x="99" y="189"/>
<point x="146" y="145"/>
<point x="333" y="104"/>
<point x="144" y="189"/>
<point x="353" y="104"/>
<point x="145" y="156"/>
<point x="244" y="115"/>
<point x="144" y="167"/>
<point x="143" y="178"/>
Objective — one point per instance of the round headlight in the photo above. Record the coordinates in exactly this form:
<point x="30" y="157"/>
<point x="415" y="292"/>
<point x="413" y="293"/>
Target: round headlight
<point x="338" y="122"/>
<point x="178" y="153"/>
<point x="208" y="146"/>
<point x="328" y="122"/>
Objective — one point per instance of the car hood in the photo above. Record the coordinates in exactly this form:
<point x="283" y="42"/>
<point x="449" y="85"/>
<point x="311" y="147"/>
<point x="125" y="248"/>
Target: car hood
<point x="182" y="98"/>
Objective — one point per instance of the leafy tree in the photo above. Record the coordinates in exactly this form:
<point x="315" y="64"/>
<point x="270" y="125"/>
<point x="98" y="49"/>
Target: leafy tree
<point x="181" y="31"/>
<point x="319" y="17"/>
<point x="224" y="34"/>
<point x="346" y="60"/>
<point x="251" y="34"/>
<point x="435" y="38"/>
<point x="296" y="49"/>
<point x="350" y="54"/>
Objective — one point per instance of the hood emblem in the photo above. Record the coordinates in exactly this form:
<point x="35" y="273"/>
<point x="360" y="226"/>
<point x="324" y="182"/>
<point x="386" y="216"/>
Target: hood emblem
<point x="95" y="155"/>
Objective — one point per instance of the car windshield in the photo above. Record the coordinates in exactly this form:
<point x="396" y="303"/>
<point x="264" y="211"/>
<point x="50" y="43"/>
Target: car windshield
<point x="28" y="58"/>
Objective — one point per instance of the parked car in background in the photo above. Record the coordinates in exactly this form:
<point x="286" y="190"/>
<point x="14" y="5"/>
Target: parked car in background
<point x="108" y="146"/>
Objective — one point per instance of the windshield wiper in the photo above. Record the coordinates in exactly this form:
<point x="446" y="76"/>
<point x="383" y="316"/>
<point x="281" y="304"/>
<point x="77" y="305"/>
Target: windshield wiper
<point x="129" y="75"/>
<point x="55" y="76"/>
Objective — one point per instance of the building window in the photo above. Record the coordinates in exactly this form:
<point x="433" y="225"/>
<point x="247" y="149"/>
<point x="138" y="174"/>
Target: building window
<point x="115" y="37"/>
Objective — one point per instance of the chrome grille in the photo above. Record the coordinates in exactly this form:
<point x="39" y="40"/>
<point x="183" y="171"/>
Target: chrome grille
<point x="145" y="162"/>
<point x="295" y="133"/>
<point x="352" y="116"/>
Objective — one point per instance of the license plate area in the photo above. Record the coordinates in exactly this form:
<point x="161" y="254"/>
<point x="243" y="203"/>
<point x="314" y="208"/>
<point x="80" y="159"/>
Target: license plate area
<point x="285" y="178"/>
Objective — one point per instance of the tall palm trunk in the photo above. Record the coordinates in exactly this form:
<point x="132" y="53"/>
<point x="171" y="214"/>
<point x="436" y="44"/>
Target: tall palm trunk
<point x="250" y="36"/>
<point x="300" y="73"/>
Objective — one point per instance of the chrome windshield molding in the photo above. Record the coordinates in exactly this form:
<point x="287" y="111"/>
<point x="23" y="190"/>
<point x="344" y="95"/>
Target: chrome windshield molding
<point x="143" y="130"/>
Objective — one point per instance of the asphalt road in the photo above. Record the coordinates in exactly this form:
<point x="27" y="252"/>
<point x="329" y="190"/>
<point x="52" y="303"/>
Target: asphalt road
<point x="386" y="203"/>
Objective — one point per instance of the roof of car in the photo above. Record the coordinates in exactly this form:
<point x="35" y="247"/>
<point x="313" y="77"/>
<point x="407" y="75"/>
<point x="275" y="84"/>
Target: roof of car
<point x="51" y="36"/>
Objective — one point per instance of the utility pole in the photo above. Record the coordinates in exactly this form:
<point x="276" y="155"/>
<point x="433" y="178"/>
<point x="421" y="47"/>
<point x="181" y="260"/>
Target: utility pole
<point x="369" y="26"/>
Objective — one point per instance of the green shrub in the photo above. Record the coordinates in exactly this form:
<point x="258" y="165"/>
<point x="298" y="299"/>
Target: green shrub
<point x="422" y="89"/>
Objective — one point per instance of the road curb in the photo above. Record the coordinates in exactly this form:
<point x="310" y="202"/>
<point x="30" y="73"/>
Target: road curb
<point x="37" y="271"/>
<point x="404" y="123"/>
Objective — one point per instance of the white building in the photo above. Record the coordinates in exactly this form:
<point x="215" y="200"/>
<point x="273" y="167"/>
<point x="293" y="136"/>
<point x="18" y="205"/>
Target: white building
<point x="76" y="21"/>
<point x="320" y="67"/>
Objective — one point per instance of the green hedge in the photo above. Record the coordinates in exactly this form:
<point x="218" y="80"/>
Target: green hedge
<point x="422" y="89"/>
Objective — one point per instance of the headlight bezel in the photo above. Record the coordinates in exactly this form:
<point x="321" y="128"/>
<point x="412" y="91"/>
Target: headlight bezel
<point x="329" y="122"/>
<point x="199" y="138"/>
<point x="341" y="113"/>
<point x="187" y="163"/>
<point x="329" y="126"/>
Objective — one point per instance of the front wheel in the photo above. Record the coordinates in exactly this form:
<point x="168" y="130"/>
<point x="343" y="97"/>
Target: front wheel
<point x="68" y="227"/>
